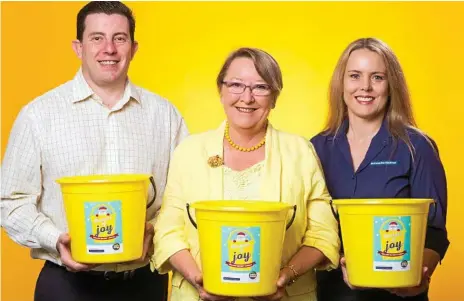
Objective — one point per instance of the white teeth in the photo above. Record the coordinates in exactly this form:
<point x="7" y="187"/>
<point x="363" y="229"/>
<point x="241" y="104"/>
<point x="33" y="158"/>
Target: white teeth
<point x="108" y="62"/>
<point x="246" y="110"/>
<point x="361" y="98"/>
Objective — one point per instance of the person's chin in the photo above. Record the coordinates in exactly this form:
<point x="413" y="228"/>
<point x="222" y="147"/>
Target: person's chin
<point x="368" y="115"/>
<point x="245" y="124"/>
<point x="110" y="77"/>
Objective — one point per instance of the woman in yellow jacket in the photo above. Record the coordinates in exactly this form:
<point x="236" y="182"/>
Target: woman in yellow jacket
<point x="247" y="159"/>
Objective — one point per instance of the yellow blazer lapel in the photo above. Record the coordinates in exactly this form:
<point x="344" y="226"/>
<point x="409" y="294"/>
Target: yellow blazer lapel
<point x="271" y="181"/>
<point x="214" y="147"/>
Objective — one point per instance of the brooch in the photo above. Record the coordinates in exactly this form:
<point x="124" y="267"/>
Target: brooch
<point x="215" y="161"/>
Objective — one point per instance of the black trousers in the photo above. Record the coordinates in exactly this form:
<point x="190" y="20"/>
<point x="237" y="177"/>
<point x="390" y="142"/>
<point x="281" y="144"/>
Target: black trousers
<point x="55" y="283"/>
<point x="331" y="287"/>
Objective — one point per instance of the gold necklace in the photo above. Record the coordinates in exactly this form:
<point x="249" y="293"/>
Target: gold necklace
<point x="242" y="149"/>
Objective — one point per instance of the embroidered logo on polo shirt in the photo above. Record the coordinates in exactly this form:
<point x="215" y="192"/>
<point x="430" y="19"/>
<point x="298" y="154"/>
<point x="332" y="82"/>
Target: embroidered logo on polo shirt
<point x="384" y="162"/>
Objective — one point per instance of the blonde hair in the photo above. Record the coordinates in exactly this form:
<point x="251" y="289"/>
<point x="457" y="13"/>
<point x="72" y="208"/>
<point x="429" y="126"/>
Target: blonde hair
<point x="266" y="66"/>
<point x="398" y="114"/>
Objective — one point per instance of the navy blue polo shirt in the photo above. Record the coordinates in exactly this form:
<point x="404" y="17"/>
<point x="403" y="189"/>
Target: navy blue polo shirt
<point x="388" y="171"/>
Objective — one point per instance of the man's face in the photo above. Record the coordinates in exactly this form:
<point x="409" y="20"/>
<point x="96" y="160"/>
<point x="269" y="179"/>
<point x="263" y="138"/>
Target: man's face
<point x="106" y="49"/>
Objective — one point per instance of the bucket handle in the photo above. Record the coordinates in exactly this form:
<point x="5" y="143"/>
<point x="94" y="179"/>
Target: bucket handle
<point x="335" y="214"/>
<point x="434" y="203"/>
<point x="152" y="181"/>
<point x="190" y="217"/>
<point x="289" y="224"/>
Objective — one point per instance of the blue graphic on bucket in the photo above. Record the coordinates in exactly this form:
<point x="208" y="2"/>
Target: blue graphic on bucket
<point x="240" y="254"/>
<point x="103" y="227"/>
<point x="392" y="243"/>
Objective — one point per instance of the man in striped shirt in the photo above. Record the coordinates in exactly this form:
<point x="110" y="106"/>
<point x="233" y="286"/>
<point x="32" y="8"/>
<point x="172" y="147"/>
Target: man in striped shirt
<point x="97" y="123"/>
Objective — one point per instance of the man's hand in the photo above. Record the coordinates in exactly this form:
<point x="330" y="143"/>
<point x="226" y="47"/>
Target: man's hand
<point x="147" y="243"/>
<point x="63" y="245"/>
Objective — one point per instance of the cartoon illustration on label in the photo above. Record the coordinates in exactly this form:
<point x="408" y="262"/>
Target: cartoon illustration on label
<point x="240" y="254"/>
<point x="103" y="227"/>
<point x="392" y="243"/>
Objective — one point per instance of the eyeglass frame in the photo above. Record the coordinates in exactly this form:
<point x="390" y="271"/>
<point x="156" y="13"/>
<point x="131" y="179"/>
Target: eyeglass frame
<point x="225" y="82"/>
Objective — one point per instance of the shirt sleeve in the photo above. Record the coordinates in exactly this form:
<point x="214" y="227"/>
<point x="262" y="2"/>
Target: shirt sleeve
<point x="428" y="180"/>
<point x="181" y="131"/>
<point x="170" y="236"/>
<point x="322" y="230"/>
<point x="22" y="186"/>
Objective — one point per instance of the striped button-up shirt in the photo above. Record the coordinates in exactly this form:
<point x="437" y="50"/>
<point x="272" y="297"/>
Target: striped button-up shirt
<point x="67" y="132"/>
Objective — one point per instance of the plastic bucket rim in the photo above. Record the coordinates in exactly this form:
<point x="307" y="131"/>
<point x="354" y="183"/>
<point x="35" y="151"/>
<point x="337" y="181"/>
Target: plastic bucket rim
<point x="103" y="179"/>
<point x="385" y="201"/>
<point x="239" y="206"/>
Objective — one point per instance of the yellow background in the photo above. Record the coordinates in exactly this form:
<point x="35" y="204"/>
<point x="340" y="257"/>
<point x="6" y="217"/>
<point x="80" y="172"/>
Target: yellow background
<point x="182" y="46"/>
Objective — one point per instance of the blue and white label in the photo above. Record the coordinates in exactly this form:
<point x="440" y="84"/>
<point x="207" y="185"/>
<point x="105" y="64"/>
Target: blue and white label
<point x="392" y="243"/>
<point x="103" y="227"/>
<point x="384" y="162"/>
<point x="240" y="254"/>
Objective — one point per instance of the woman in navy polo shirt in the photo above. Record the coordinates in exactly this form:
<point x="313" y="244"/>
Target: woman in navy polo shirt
<point x="371" y="148"/>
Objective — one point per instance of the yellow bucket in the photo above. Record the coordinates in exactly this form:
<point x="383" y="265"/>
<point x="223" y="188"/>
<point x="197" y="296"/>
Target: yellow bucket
<point x="241" y="245"/>
<point x="383" y="240"/>
<point x="106" y="216"/>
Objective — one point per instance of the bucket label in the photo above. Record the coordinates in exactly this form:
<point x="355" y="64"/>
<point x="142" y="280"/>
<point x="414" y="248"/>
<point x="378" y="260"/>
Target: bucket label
<point x="392" y="243"/>
<point x="103" y="227"/>
<point x="240" y="258"/>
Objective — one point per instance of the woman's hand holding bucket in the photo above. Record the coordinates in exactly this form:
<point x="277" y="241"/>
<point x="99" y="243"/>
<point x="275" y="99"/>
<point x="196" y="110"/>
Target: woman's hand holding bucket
<point x="431" y="260"/>
<point x="345" y="274"/>
<point x="204" y="295"/>
<point x="63" y="246"/>
<point x="416" y="290"/>
<point x="282" y="282"/>
<point x="402" y="292"/>
<point x="185" y="264"/>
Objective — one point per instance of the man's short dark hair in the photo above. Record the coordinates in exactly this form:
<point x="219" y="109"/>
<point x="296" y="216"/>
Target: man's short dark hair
<point x="105" y="7"/>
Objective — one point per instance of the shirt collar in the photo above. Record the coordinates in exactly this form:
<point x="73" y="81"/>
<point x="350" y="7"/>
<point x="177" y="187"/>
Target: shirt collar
<point x="82" y="90"/>
<point x="382" y="135"/>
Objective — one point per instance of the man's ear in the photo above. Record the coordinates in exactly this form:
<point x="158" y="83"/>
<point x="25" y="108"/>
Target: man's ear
<point x="135" y="47"/>
<point x="77" y="47"/>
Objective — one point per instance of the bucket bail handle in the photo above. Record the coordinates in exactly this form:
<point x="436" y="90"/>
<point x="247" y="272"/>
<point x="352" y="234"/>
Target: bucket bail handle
<point x="335" y="214"/>
<point x="289" y="224"/>
<point x="435" y="205"/>
<point x="152" y="181"/>
<point x="190" y="217"/>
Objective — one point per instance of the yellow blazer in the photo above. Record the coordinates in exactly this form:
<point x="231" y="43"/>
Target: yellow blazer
<point x="291" y="174"/>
